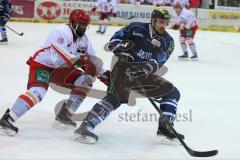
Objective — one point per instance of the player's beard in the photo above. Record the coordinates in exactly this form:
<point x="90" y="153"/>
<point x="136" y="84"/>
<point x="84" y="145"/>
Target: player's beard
<point x="178" y="11"/>
<point x="78" y="30"/>
<point x="159" y="30"/>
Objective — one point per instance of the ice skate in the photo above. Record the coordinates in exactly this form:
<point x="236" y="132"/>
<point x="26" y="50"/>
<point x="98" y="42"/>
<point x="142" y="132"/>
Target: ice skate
<point x="165" y="135"/>
<point x="102" y="32"/>
<point x="194" y="58"/>
<point x="6" y="125"/>
<point x="4" y="41"/>
<point x="84" y="135"/>
<point x="63" y="119"/>
<point x="183" y="57"/>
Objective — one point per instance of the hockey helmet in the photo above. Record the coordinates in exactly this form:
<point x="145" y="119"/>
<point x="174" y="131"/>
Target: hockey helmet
<point x="79" y="20"/>
<point x="160" y="13"/>
<point x="177" y="6"/>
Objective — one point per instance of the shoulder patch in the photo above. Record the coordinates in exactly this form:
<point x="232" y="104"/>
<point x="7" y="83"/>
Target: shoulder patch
<point x="120" y="33"/>
<point x="171" y="47"/>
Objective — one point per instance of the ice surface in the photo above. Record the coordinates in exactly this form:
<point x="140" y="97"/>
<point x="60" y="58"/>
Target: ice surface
<point x="209" y="101"/>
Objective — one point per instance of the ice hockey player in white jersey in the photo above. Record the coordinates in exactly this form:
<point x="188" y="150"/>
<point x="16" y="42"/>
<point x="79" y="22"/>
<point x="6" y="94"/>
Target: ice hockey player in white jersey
<point x="184" y="3"/>
<point x="106" y="8"/>
<point x="66" y="46"/>
<point x="186" y="23"/>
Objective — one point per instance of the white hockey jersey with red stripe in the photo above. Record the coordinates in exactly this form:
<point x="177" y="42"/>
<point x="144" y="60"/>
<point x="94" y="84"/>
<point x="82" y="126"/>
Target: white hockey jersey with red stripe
<point x="60" y="49"/>
<point x="187" y="18"/>
<point x="106" y="6"/>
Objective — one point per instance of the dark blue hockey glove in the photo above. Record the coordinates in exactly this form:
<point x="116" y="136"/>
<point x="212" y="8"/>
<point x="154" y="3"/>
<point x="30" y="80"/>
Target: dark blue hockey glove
<point x="146" y="69"/>
<point x="3" y="20"/>
<point x="125" y="57"/>
<point x="119" y="47"/>
<point x="135" y="73"/>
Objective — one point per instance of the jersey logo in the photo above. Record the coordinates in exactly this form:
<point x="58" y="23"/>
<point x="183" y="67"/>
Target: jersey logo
<point x="144" y="55"/>
<point x="137" y="34"/>
<point x="171" y="48"/>
<point x="60" y="40"/>
<point x="162" y="57"/>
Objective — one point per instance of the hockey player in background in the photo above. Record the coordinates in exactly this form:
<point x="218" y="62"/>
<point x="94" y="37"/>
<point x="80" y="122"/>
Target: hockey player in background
<point x="186" y="23"/>
<point x="106" y="9"/>
<point x="5" y="12"/>
<point x="149" y="45"/>
<point x="66" y="46"/>
<point x="159" y="3"/>
<point x="184" y="3"/>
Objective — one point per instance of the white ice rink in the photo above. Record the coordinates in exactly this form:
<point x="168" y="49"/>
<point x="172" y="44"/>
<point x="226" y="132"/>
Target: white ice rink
<point x="209" y="103"/>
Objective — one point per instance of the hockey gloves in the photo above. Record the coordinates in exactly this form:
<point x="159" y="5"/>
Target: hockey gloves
<point x="105" y="77"/>
<point x="126" y="57"/>
<point x="118" y="47"/>
<point x="143" y="71"/>
<point x="83" y="70"/>
<point x="86" y="65"/>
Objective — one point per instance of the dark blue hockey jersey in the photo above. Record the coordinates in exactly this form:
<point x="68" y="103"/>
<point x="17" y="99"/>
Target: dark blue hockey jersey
<point x="5" y="9"/>
<point x="144" y="50"/>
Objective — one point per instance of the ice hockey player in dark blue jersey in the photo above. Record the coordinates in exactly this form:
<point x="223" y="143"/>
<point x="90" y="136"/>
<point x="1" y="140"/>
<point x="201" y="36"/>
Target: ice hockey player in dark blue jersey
<point x="5" y="12"/>
<point x="142" y="48"/>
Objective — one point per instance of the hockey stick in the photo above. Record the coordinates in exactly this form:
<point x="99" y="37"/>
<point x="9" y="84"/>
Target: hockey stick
<point x="189" y="150"/>
<point x="20" y="34"/>
<point x="131" y="17"/>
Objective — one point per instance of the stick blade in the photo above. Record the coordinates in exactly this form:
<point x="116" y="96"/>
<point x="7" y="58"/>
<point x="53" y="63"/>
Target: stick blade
<point x="131" y="17"/>
<point x="21" y="34"/>
<point x="203" y="154"/>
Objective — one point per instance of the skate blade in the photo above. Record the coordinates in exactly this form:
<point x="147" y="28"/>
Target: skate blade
<point x="63" y="127"/>
<point x="183" y="59"/>
<point x="166" y="141"/>
<point x="7" y="132"/>
<point x="194" y="59"/>
<point x="3" y="43"/>
<point x="84" y="139"/>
